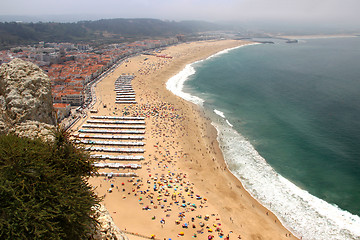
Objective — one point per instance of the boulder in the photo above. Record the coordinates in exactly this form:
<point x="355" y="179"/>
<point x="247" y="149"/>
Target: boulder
<point x="108" y="230"/>
<point x="25" y="98"/>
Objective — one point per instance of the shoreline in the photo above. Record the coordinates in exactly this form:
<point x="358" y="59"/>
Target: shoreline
<point x="214" y="131"/>
<point x="191" y="148"/>
<point x="198" y="102"/>
<point x="303" y="231"/>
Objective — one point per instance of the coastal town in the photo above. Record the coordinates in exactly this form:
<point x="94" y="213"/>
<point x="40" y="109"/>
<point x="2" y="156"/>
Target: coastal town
<point x="73" y="68"/>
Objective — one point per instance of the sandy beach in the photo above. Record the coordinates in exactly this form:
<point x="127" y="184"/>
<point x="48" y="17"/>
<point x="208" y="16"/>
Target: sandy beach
<point x="184" y="189"/>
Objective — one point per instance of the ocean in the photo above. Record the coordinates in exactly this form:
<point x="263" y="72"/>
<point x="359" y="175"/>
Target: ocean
<point x="288" y="122"/>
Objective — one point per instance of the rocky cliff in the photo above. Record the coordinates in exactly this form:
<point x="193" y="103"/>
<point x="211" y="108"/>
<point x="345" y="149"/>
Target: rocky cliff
<point x="25" y="100"/>
<point x="108" y="230"/>
<point x="26" y="109"/>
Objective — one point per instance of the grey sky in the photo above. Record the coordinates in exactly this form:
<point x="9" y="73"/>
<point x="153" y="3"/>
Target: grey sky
<point x="342" y="11"/>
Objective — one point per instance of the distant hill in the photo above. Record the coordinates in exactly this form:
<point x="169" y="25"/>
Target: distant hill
<point x="103" y="31"/>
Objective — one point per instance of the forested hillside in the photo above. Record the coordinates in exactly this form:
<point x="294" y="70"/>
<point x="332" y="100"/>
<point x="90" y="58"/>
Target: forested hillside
<point x="109" y="30"/>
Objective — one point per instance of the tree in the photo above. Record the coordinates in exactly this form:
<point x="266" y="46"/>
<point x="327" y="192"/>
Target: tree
<point x="44" y="192"/>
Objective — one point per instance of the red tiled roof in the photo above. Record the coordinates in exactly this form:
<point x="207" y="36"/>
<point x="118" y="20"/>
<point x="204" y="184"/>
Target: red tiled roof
<point x="61" y="105"/>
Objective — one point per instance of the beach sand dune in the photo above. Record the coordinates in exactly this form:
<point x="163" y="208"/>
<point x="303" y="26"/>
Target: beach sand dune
<point x="183" y="189"/>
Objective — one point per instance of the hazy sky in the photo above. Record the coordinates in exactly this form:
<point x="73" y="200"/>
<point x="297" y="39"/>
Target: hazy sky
<point x="342" y="11"/>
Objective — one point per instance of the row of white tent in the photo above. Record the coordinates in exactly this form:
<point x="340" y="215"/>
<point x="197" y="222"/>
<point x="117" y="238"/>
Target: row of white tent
<point x="119" y="150"/>
<point x="117" y="117"/>
<point x="111" y="174"/>
<point x="137" y="121"/>
<point x="99" y="126"/>
<point x="110" y="122"/>
<point x="124" y="99"/>
<point x="123" y="88"/>
<point x="112" y="131"/>
<point x="118" y="137"/>
<point x="126" y="92"/>
<point x="118" y="143"/>
<point x="112" y="126"/>
<point x="124" y="102"/>
<point x="117" y="157"/>
<point x="117" y="165"/>
<point x="125" y="95"/>
<point x="123" y="92"/>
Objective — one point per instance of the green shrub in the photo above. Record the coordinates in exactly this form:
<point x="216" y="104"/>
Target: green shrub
<point x="44" y="192"/>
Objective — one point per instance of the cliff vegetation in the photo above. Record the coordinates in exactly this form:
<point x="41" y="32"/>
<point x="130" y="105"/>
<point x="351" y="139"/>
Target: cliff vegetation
<point x="43" y="189"/>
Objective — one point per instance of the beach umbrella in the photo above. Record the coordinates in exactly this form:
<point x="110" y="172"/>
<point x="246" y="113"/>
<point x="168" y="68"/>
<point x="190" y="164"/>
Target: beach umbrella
<point x="181" y="233"/>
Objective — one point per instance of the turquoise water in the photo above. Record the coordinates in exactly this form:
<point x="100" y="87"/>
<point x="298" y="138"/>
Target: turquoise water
<point x="295" y="107"/>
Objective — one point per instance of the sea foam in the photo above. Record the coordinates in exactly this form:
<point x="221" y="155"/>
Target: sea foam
<point x="221" y="114"/>
<point x="176" y="83"/>
<point x="305" y="215"/>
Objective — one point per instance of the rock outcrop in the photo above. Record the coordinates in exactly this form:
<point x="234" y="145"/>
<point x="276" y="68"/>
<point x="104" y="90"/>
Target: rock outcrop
<point x="108" y="230"/>
<point x="26" y="109"/>
<point x="25" y="100"/>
